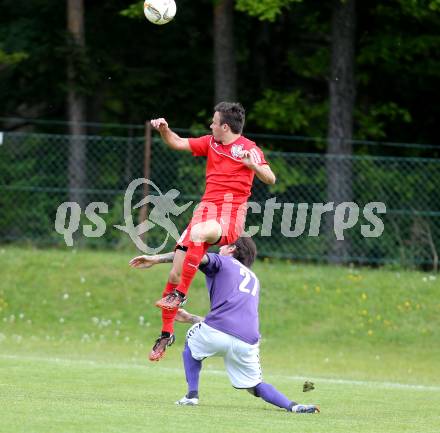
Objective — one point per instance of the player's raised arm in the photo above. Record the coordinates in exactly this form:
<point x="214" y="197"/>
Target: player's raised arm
<point x="171" y="138"/>
<point x="263" y="172"/>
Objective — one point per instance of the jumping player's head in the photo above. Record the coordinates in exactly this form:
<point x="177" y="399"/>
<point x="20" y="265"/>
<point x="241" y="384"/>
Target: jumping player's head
<point x="228" y="119"/>
<point x="243" y="249"/>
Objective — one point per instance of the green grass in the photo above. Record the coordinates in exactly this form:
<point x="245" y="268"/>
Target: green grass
<point x="75" y="328"/>
<point x="48" y="395"/>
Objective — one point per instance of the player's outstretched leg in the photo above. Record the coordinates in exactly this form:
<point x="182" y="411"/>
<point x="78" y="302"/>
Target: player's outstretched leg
<point x="192" y="374"/>
<point x="270" y="394"/>
<point x="202" y="236"/>
<point x="168" y="316"/>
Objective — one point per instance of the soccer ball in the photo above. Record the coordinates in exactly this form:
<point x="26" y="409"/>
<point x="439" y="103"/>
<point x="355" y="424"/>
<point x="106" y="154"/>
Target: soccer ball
<point x="160" y="11"/>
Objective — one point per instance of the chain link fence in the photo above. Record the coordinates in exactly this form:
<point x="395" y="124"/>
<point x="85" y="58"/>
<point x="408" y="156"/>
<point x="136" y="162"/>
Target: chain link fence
<point x="35" y="180"/>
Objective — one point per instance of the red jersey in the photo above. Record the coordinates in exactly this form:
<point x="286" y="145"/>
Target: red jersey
<point x="225" y="173"/>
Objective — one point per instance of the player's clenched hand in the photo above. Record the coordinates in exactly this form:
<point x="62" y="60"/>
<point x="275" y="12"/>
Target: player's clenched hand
<point x="143" y="262"/>
<point x="159" y="123"/>
<point x="248" y="159"/>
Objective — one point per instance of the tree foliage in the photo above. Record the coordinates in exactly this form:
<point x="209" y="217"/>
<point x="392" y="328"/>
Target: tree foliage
<point x="264" y="9"/>
<point x="133" y="70"/>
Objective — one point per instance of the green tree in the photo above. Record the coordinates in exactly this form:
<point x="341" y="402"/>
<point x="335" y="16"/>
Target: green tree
<point x="76" y="101"/>
<point x="225" y="70"/>
<point x="340" y="125"/>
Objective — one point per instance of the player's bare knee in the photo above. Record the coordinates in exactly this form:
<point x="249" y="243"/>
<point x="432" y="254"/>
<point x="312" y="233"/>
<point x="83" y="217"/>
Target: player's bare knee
<point x="208" y="231"/>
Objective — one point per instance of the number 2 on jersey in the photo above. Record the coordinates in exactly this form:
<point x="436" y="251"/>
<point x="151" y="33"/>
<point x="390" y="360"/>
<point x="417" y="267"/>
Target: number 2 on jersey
<point x="248" y="276"/>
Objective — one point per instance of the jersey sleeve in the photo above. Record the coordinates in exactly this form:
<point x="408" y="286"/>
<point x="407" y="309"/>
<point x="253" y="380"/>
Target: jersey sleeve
<point x="213" y="266"/>
<point x="199" y="146"/>
<point x="259" y="155"/>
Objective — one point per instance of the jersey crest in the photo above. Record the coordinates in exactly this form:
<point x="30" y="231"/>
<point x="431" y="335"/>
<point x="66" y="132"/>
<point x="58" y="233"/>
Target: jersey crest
<point x="237" y="150"/>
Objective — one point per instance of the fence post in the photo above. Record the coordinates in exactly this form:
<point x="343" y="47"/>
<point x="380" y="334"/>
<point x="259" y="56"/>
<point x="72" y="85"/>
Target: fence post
<point x="147" y="171"/>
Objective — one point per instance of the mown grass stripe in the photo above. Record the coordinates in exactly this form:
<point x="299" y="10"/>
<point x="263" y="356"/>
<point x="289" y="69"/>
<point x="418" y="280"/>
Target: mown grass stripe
<point x="121" y="365"/>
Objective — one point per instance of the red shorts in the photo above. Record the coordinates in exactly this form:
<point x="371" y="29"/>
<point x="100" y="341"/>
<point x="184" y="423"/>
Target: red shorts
<point x="230" y="218"/>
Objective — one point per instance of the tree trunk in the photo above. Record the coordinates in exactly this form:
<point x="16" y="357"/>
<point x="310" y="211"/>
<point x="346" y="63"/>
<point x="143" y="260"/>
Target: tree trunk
<point x="340" y="127"/>
<point x="225" y="74"/>
<point x="76" y="105"/>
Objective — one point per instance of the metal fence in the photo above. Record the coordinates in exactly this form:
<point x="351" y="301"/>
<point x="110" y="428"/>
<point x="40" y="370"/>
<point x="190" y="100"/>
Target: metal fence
<point x="34" y="181"/>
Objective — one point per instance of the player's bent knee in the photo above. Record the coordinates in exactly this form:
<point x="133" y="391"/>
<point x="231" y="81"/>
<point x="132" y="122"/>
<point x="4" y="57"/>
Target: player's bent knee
<point x="208" y="231"/>
<point x="252" y="391"/>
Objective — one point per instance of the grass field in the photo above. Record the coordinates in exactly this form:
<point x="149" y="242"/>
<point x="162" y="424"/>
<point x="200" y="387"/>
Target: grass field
<point x="75" y="329"/>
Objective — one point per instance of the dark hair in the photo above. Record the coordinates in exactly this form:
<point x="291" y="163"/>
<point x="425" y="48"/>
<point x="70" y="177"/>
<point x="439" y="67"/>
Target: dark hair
<point x="233" y="114"/>
<point x="245" y="251"/>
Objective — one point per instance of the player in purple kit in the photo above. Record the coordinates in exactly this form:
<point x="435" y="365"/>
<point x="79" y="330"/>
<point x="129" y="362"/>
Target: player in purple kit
<point x="231" y="328"/>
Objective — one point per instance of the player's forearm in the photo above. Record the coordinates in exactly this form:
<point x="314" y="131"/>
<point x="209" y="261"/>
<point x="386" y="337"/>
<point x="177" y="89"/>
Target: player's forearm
<point x="195" y="319"/>
<point x="165" y="258"/>
<point x="184" y="317"/>
<point x="169" y="257"/>
<point x="172" y="139"/>
<point x="265" y="174"/>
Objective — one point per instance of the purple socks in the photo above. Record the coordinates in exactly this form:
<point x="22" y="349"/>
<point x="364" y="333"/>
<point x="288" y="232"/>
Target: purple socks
<point x="268" y="393"/>
<point x="192" y="372"/>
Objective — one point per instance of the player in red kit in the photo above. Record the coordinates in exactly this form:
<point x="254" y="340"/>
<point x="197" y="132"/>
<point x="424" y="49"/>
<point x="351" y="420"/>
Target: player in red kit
<point x="232" y="163"/>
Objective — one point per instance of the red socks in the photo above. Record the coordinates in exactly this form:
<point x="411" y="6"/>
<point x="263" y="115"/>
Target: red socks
<point x="168" y="315"/>
<point x="191" y="263"/>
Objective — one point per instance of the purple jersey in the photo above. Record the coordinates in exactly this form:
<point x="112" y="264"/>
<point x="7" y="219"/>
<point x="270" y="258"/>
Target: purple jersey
<point x="234" y="294"/>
